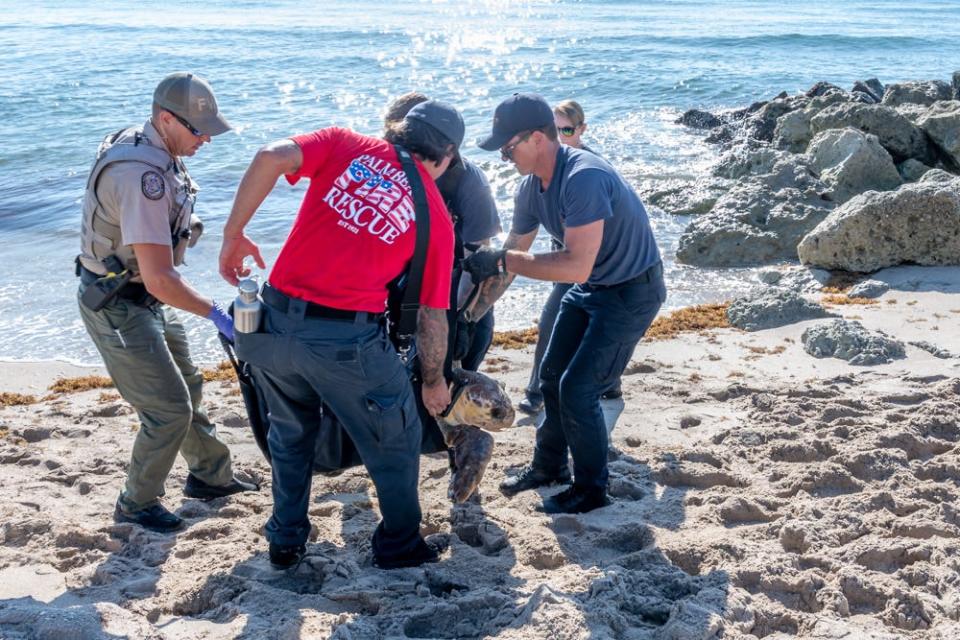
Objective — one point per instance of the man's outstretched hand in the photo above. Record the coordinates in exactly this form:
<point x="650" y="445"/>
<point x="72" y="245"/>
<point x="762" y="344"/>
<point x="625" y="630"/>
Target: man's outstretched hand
<point x="233" y="252"/>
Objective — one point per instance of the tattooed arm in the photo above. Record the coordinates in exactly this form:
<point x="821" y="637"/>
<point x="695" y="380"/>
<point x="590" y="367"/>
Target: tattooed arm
<point x="493" y="288"/>
<point x="431" y="350"/>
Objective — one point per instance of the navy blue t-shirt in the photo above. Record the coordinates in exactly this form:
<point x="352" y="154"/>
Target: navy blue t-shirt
<point x="584" y="189"/>
<point x="467" y="194"/>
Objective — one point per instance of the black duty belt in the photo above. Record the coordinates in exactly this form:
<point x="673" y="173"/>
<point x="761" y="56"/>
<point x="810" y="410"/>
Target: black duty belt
<point x="648" y="276"/>
<point x="135" y="292"/>
<point x="281" y="302"/>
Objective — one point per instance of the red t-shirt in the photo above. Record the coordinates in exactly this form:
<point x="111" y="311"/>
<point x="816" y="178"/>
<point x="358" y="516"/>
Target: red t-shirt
<point x="356" y="230"/>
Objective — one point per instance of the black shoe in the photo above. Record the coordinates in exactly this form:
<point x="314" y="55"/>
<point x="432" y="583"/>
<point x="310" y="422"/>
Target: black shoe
<point x="424" y="553"/>
<point x="531" y="407"/>
<point x="155" y="518"/>
<point x="197" y="488"/>
<point x="576" y="500"/>
<point x="612" y="394"/>
<point x="286" y="556"/>
<point x="531" y="477"/>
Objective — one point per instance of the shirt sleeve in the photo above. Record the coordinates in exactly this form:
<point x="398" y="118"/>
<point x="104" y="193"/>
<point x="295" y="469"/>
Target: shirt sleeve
<point x="435" y="290"/>
<point x="316" y="147"/>
<point x="525" y="217"/>
<point x="475" y="203"/>
<point x="587" y="198"/>
<point x="138" y="196"/>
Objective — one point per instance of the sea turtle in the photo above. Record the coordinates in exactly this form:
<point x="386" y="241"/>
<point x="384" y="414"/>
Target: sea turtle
<point x="479" y="405"/>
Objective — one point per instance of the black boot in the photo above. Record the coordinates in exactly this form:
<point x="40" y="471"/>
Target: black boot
<point x="423" y="553"/>
<point x="531" y="477"/>
<point x="197" y="488"/>
<point x="155" y="518"/>
<point x="576" y="500"/>
<point x="286" y="556"/>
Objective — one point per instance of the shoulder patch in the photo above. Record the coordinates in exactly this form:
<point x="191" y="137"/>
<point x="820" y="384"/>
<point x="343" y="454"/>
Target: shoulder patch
<point x="152" y="185"/>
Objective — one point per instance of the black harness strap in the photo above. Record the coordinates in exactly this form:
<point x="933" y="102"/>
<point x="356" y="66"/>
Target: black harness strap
<point x="410" y="307"/>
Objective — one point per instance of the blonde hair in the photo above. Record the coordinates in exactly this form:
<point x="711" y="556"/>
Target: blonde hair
<point x="572" y="111"/>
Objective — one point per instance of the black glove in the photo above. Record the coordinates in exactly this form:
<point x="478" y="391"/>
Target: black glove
<point x="463" y="338"/>
<point x="485" y="263"/>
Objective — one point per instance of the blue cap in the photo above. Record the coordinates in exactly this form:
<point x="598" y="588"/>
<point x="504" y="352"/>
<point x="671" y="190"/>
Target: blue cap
<point x="441" y="117"/>
<point x="519" y="112"/>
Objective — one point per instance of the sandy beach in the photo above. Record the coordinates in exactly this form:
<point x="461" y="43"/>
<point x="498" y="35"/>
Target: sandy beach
<point x="758" y="492"/>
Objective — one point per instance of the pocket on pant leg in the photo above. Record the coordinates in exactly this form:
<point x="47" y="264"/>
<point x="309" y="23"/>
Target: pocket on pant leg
<point x="393" y="408"/>
<point x="257" y="349"/>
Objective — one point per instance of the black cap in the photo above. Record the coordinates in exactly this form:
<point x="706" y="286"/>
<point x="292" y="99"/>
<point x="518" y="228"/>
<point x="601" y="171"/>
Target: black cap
<point x="519" y="112"/>
<point x="441" y="117"/>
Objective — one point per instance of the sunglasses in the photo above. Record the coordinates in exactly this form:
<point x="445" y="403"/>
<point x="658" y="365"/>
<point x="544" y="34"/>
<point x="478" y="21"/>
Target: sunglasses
<point x="192" y="129"/>
<point x="506" y="153"/>
<point x="567" y="131"/>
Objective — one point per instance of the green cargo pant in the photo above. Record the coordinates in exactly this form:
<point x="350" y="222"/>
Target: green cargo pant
<point x="146" y="353"/>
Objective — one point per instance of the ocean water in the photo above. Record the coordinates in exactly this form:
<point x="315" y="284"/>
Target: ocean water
<point x="74" y="71"/>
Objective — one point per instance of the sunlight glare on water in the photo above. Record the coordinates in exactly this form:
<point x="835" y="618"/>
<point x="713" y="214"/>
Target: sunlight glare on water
<point x="75" y="71"/>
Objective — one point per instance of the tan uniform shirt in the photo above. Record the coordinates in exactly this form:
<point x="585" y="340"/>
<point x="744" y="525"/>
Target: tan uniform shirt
<point x="143" y="202"/>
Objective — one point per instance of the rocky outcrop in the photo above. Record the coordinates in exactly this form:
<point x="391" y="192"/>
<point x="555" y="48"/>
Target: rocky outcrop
<point x="895" y="132"/>
<point x="942" y="123"/>
<point x="697" y="119"/>
<point x="760" y="220"/>
<point x="794" y="131"/>
<point x="937" y="176"/>
<point x="850" y="162"/>
<point x="789" y="161"/>
<point x="772" y="307"/>
<point x="919" y="223"/>
<point x="681" y="197"/>
<point x="870" y="88"/>
<point x="922" y="92"/>
<point x="849" y="340"/>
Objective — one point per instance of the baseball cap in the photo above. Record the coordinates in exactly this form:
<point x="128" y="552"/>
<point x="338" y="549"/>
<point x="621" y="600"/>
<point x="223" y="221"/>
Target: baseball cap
<point x="442" y="117"/>
<point x="191" y="98"/>
<point x="519" y="112"/>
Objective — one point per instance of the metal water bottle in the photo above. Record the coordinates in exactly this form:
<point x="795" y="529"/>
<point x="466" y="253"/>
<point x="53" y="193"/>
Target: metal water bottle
<point x="248" y="307"/>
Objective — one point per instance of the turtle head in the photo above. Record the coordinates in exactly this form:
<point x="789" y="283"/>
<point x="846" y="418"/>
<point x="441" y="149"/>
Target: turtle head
<point x="478" y="401"/>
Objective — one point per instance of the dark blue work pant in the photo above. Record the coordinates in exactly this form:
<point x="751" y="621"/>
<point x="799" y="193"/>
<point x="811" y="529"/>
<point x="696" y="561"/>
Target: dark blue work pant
<point x="301" y="363"/>
<point x="593" y="339"/>
<point x="548" y="317"/>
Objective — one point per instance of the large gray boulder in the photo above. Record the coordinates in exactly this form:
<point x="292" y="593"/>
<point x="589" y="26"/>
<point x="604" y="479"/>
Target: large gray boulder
<point x="937" y="176"/>
<point x="685" y="197"/>
<point x="918" y="224"/>
<point x="871" y="87"/>
<point x="793" y="130"/>
<point x="761" y="125"/>
<point x="758" y="221"/>
<point x="698" y="119"/>
<point x="942" y="124"/>
<point x="772" y="307"/>
<point x="851" y="162"/>
<point x="742" y="160"/>
<point x="924" y="92"/>
<point x="896" y="133"/>
<point x="849" y="340"/>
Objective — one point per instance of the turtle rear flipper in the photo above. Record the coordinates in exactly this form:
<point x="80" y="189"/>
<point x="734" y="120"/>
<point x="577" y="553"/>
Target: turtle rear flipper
<point x="472" y="450"/>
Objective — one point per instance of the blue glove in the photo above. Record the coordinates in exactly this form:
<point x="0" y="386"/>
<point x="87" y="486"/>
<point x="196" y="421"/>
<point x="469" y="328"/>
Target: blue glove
<point x="224" y="323"/>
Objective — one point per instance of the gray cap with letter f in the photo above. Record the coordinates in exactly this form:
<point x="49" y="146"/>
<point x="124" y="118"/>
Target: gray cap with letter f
<point x="191" y="98"/>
